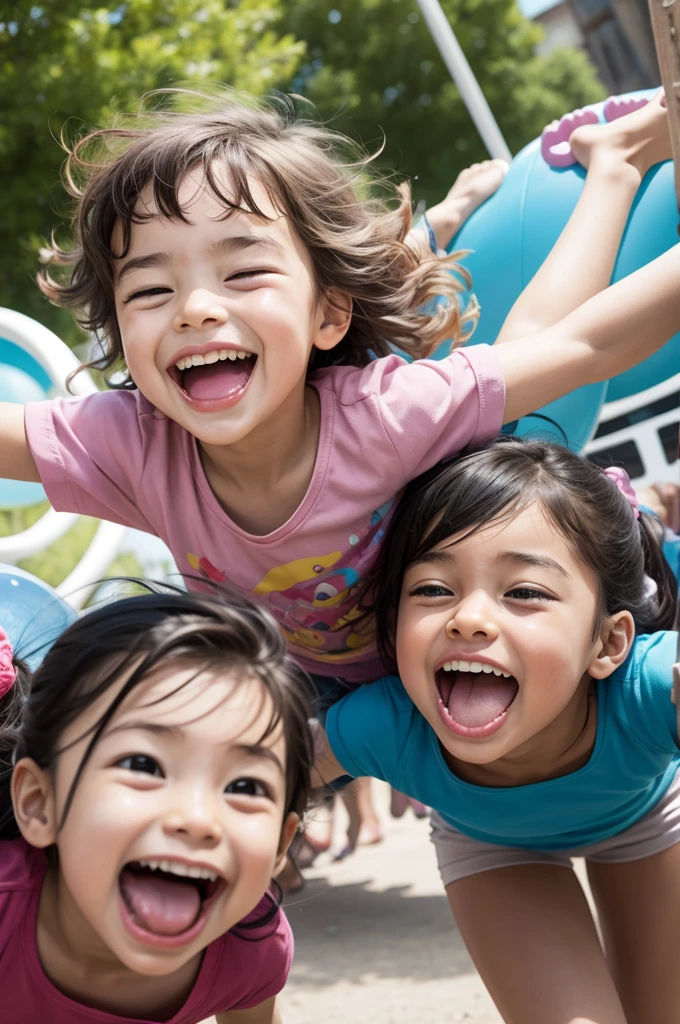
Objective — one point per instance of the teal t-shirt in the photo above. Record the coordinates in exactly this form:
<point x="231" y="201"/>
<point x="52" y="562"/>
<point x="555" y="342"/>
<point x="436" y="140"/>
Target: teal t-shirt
<point x="377" y="730"/>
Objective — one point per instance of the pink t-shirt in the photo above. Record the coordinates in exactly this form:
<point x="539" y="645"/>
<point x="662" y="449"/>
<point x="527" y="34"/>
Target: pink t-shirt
<point x="235" y="974"/>
<point x="116" y="457"/>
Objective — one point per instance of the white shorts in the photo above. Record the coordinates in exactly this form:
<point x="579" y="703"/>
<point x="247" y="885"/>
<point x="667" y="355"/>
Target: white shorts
<point x="459" y="855"/>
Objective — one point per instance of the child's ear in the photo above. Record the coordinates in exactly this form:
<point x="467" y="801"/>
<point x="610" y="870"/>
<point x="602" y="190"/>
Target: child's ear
<point x="33" y="800"/>
<point x="335" y="312"/>
<point x="612" y="645"/>
<point x="290" y="827"/>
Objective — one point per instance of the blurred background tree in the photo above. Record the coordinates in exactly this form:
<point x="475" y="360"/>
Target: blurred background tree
<point x="86" y="60"/>
<point x="372" y="67"/>
<point x="369" y="65"/>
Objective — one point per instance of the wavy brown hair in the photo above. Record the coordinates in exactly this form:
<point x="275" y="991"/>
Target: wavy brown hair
<point x="352" y="223"/>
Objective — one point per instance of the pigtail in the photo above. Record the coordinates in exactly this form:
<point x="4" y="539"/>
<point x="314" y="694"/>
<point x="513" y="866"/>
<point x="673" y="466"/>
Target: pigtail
<point x="658" y="610"/>
<point x="12" y="702"/>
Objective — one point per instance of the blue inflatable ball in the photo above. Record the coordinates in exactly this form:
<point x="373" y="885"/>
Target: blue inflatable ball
<point x="513" y="232"/>
<point x="31" y="613"/>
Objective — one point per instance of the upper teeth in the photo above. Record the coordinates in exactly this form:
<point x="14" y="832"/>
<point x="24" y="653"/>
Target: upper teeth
<point x="173" y="867"/>
<point x="212" y="357"/>
<point x="474" y="666"/>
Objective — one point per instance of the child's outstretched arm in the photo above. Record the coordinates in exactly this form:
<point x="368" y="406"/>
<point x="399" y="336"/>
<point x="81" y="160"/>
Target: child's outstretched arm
<point x="608" y="334"/>
<point x="267" y="1012"/>
<point x="16" y="461"/>
<point x="580" y="264"/>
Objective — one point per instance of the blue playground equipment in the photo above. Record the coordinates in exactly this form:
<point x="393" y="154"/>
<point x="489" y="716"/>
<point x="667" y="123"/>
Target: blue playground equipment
<point x="32" y="614"/>
<point x="510" y="236"/>
<point x="34" y="365"/>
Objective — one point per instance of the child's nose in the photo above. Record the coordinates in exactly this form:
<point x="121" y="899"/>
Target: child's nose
<point x="473" y="618"/>
<point x="195" y="817"/>
<point x="201" y="309"/>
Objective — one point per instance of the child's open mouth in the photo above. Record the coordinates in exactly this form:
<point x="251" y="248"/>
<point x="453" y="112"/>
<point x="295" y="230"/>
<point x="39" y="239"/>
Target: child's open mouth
<point x="219" y="376"/>
<point x="166" y="902"/>
<point x="474" y="700"/>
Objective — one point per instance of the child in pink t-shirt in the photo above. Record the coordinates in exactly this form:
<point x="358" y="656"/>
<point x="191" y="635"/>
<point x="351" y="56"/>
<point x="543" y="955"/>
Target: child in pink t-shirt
<point x="229" y="266"/>
<point x="155" y="770"/>
<point x="234" y="265"/>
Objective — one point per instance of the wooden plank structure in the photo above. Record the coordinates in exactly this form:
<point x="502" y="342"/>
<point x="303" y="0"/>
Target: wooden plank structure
<point x="665" y="15"/>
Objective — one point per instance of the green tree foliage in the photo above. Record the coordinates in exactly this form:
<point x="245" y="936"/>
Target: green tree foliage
<point x="369" y="65"/>
<point x="373" y="66"/>
<point x="86" y="60"/>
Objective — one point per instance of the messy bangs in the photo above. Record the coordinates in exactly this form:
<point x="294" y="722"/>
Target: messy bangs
<point x="352" y="223"/>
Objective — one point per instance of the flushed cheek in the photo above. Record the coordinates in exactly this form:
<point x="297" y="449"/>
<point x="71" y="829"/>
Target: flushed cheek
<point x="545" y="647"/>
<point x="114" y="819"/>
<point x="417" y="646"/>
<point x="143" y="360"/>
<point x="91" y="877"/>
<point x="256" y="840"/>
<point x="418" y="630"/>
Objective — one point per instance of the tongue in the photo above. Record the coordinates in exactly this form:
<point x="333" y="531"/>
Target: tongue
<point x="159" y="903"/>
<point x="478" y="699"/>
<point x="216" y="380"/>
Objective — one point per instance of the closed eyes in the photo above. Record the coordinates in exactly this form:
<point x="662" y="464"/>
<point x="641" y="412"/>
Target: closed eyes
<point x="148" y="293"/>
<point x="529" y="594"/>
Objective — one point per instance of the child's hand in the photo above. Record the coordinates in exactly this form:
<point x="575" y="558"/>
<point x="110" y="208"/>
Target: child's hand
<point x="664" y="499"/>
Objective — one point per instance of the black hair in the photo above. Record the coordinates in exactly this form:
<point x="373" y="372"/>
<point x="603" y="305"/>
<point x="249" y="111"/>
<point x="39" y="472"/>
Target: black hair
<point x="217" y="631"/>
<point x="466" y="494"/>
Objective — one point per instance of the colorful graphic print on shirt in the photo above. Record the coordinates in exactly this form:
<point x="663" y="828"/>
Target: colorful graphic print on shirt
<point x="315" y="599"/>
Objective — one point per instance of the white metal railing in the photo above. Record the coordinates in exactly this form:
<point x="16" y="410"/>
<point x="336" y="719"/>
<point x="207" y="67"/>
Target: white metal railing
<point x="57" y="360"/>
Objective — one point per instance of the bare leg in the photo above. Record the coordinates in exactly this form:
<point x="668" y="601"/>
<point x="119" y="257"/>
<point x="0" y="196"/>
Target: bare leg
<point x="470" y="189"/>
<point x="638" y="905"/>
<point x="364" y="822"/>
<point x="472" y="186"/>
<point x="530" y="933"/>
<point x="399" y="804"/>
<point x="581" y="262"/>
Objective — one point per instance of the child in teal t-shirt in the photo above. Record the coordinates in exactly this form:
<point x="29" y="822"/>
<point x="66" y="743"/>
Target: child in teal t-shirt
<point x="513" y="592"/>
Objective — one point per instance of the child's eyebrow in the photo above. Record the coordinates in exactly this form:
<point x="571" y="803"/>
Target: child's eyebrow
<point x="158" y="729"/>
<point x="236" y="243"/>
<point x="536" y="561"/>
<point x="232" y="243"/>
<point x="444" y="557"/>
<point x="153" y="259"/>
<point x="433" y="557"/>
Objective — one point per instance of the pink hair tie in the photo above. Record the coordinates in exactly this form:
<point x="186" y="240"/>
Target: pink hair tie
<point x="618" y="476"/>
<point x="8" y="672"/>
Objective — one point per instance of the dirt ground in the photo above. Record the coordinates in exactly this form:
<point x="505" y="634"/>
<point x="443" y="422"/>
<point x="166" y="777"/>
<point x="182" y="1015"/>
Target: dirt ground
<point x="375" y="941"/>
